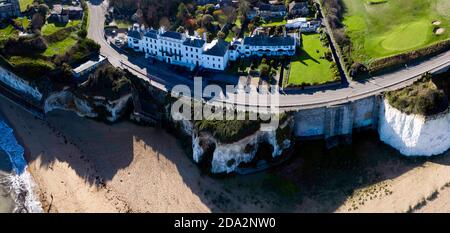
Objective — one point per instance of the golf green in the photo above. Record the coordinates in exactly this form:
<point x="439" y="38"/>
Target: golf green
<point x="394" y="26"/>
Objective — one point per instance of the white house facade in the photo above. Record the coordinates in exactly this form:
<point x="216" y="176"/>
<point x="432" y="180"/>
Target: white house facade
<point x="179" y="48"/>
<point x="192" y="51"/>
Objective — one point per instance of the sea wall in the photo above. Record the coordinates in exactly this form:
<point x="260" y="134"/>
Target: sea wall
<point x="414" y="135"/>
<point x="338" y="120"/>
<point x="20" y="85"/>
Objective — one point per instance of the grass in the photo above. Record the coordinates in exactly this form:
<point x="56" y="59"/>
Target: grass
<point x="308" y="67"/>
<point x="6" y="32"/>
<point x="275" y="22"/>
<point x="9" y="30"/>
<point x="50" y="28"/>
<point x="25" y="22"/>
<point x="60" y="47"/>
<point x="381" y="28"/>
<point x="122" y="23"/>
<point x="24" y="4"/>
<point x="230" y="36"/>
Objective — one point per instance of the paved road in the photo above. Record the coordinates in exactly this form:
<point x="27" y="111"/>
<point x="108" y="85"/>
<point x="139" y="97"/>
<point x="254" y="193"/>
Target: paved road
<point x="165" y="80"/>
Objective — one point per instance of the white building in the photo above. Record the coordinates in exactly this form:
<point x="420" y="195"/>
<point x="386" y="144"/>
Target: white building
<point x="193" y="51"/>
<point x="179" y="48"/>
<point x="303" y="24"/>
<point x="260" y="45"/>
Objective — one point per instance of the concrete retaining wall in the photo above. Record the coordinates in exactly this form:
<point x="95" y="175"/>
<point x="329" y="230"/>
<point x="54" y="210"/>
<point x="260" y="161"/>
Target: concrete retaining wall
<point x="339" y="120"/>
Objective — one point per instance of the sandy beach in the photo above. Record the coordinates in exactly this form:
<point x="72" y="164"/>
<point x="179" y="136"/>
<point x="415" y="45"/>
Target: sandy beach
<point x="81" y="165"/>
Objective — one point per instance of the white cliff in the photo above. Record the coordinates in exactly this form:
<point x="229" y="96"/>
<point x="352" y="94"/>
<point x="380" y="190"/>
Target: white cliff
<point x="414" y="135"/>
<point x="227" y="157"/>
<point x="19" y="84"/>
<point x="66" y="100"/>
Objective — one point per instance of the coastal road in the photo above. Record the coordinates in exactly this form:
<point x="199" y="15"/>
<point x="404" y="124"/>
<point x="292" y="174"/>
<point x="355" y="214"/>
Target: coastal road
<point x="165" y="79"/>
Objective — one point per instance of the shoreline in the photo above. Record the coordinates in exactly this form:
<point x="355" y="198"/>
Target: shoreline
<point x="22" y="184"/>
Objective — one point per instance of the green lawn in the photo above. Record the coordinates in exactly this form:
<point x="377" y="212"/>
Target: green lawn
<point x="60" y="46"/>
<point x="9" y="30"/>
<point x="24" y="3"/>
<point x="389" y="27"/>
<point x="50" y="28"/>
<point x="308" y="67"/>
<point x="230" y="36"/>
<point x="275" y="22"/>
<point x="122" y="23"/>
<point x="6" y="32"/>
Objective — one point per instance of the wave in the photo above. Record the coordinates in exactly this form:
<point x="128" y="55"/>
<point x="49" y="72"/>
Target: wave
<point x="19" y="181"/>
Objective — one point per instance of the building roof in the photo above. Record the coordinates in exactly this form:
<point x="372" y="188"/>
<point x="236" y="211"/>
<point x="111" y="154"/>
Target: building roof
<point x="273" y="8"/>
<point x="194" y="42"/>
<point x="219" y="48"/>
<point x="152" y="34"/>
<point x="297" y="20"/>
<point x="135" y="34"/>
<point x="73" y="8"/>
<point x="57" y="9"/>
<point x="297" y="5"/>
<point x="173" y="35"/>
<point x="87" y="65"/>
<point x="269" y="41"/>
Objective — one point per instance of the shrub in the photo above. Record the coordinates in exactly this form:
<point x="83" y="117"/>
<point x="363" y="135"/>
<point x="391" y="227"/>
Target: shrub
<point x="228" y="131"/>
<point x="25" y="46"/>
<point x="423" y="98"/>
<point x="109" y="82"/>
<point x="31" y="67"/>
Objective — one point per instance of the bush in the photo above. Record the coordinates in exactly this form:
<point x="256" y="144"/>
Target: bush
<point x="109" y="82"/>
<point x="228" y="131"/>
<point x="82" y="33"/>
<point x="264" y="70"/>
<point x="25" y="46"/>
<point x="31" y="67"/>
<point x="423" y="98"/>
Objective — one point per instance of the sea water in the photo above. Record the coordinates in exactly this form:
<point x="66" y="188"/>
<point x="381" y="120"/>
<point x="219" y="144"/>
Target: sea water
<point x="16" y="184"/>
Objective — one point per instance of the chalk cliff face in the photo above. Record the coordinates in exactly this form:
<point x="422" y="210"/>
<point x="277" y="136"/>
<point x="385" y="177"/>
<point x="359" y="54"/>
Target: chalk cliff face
<point x="66" y="100"/>
<point x="414" y="135"/>
<point x="19" y="84"/>
<point x="226" y="157"/>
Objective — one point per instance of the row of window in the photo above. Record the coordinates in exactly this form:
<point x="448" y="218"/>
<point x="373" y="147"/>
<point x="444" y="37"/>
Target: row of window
<point x="269" y="47"/>
<point x="172" y="44"/>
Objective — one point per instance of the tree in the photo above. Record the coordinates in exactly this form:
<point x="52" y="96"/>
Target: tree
<point x="207" y="20"/>
<point x="264" y="70"/>
<point x="182" y="13"/>
<point x="236" y="30"/>
<point x="37" y="22"/>
<point x="43" y="9"/>
<point x="221" y="35"/>
<point x="164" y="22"/>
<point x="244" y="7"/>
<point x="231" y="14"/>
